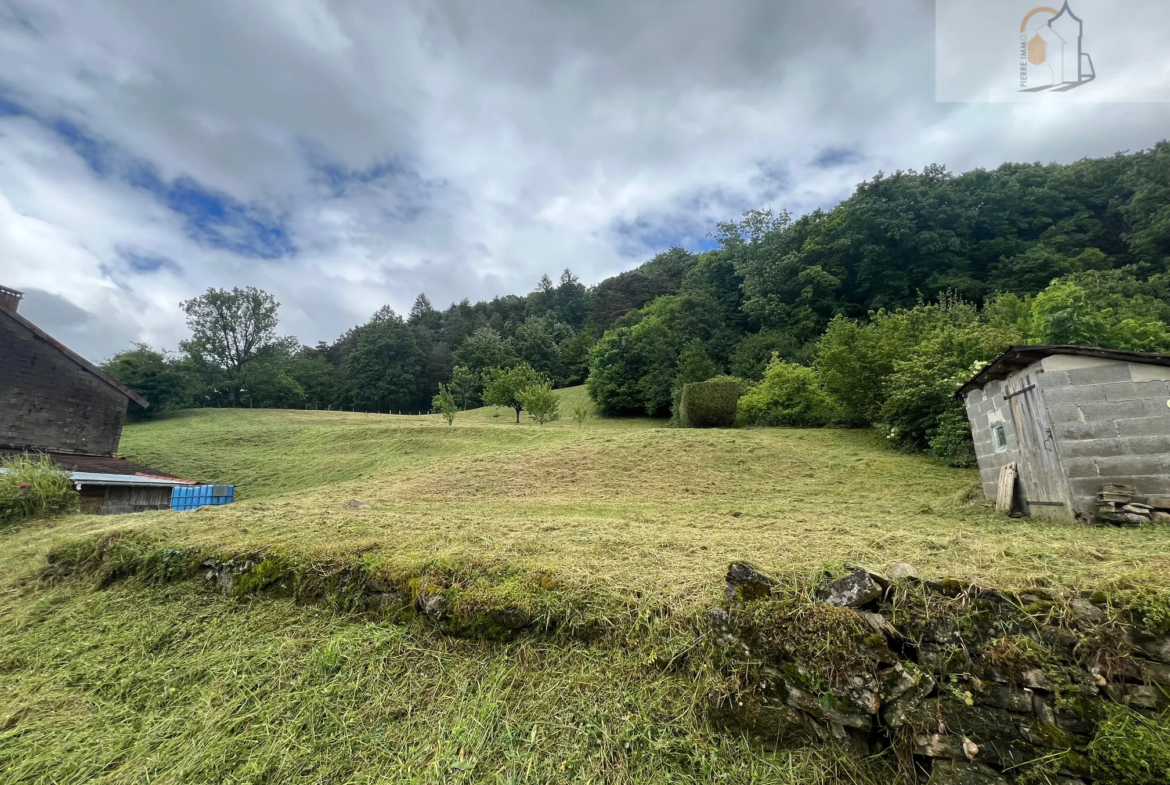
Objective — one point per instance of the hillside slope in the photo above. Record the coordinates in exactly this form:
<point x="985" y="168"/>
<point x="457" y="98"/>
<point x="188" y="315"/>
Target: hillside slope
<point x="615" y="535"/>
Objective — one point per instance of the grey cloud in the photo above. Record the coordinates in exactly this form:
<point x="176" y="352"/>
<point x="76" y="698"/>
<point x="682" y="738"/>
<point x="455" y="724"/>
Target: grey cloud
<point x="463" y="148"/>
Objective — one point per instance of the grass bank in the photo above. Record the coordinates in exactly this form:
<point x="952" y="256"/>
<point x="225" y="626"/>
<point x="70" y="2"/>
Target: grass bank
<point x="626" y="521"/>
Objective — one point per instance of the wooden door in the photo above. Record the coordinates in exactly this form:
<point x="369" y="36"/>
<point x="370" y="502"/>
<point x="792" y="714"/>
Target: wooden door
<point x="1039" y="467"/>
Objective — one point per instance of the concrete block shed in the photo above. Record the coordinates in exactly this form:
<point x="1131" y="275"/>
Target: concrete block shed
<point x="1073" y="419"/>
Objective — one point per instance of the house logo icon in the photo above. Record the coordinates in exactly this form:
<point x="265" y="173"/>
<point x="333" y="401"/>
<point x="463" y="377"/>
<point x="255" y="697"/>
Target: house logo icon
<point x="1051" y="57"/>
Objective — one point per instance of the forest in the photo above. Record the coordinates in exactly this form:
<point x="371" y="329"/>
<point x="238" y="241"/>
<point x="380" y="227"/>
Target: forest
<point x="871" y="313"/>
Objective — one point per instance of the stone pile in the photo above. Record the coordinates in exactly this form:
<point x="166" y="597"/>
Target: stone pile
<point x="1121" y="505"/>
<point x="961" y="685"/>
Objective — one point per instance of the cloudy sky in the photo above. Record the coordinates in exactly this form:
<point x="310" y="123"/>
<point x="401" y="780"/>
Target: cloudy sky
<point x="344" y="154"/>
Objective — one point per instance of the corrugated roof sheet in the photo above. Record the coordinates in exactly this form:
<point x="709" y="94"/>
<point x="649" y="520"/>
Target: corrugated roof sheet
<point x="1019" y="357"/>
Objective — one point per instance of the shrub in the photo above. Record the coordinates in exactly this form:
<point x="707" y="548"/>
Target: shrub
<point x="581" y="414"/>
<point x="34" y="487"/>
<point x="710" y="404"/>
<point x="790" y="395"/>
<point x="541" y="403"/>
<point x="444" y="404"/>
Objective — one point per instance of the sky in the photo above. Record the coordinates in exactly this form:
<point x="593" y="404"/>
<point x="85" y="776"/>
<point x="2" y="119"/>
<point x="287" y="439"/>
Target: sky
<point x="346" y="154"/>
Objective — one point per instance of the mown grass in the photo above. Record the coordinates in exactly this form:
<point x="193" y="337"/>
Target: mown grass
<point x="627" y="521"/>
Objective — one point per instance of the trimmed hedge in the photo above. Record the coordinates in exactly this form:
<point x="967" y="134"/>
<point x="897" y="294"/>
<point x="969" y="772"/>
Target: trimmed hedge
<point x="710" y="404"/>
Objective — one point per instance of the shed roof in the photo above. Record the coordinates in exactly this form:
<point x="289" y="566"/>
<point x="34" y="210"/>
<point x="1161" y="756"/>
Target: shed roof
<point x="98" y="464"/>
<point x="77" y="358"/>
<point x="1019" y="357"/>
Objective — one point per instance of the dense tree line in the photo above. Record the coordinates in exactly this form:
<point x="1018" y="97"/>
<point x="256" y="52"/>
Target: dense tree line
<point x="871" y="310"/>
<point x="235" y="356"/>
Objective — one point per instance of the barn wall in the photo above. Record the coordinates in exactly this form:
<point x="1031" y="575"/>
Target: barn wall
<point x="123" y="499"/>
<point x="1111" y="424"/>
<point x="49" y="402"/>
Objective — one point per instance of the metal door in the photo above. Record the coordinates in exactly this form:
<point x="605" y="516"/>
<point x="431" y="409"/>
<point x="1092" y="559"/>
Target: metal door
<point x="1040" y="472"/>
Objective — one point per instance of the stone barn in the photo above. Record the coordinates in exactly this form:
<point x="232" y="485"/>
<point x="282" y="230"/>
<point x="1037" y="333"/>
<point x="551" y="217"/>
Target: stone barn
<point x="1082" y="425"/>
<point x="51" y="398"/>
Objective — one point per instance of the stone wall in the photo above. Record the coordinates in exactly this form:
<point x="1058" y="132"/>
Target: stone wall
<point x="986" y="408"/>
<point x="961" y="685"/>
<point x="48" y="402"/>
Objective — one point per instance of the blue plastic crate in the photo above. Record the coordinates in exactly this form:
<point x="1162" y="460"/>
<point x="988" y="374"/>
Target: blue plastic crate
<point x="192" y="497"/>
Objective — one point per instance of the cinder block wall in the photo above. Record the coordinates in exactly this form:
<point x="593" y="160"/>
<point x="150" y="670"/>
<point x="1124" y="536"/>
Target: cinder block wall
<point x="1111" y="424"/>
<point x="985" y="409"/>
<point x="49" y="402"/>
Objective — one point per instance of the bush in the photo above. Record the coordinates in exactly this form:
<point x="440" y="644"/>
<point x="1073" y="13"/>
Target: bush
<point x="541" y="403"/>
<point x="710" y="404"/>
<point x="34" y="487"/>
<point x="790" y="395"/>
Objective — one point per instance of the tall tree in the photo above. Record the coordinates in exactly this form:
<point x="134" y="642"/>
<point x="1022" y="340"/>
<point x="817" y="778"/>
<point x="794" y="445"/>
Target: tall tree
<point x="230" y="331"/>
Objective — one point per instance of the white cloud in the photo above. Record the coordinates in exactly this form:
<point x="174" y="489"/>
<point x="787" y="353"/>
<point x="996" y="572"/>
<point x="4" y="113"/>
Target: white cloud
<point x="455" y="147"/>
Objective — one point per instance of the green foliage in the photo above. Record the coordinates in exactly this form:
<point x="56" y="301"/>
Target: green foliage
<point x="693" y="366"/>
<point x="505" y="386"/>
<point x="535" y="343"/>
<point x="465" y="386"/>
<point x="485" y="349"/>
<point x="230" y="331"/>
<point x="34" y="487"/>
<point x="384" y="369"/>
<point x="541" y="403"/>
<point x="163" y="380"/>
<point x="1065" y="313"/>
<point x="789" y="395"/>
<point x="1130" y="749"/>
<point x="581" y="413"/>
<point x="444" y="403"/>
<point x="710" y="404"/>
<point x="919" y="392"/>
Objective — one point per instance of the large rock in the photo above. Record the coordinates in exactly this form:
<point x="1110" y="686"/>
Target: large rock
<point x="903" y="572"/>
<point x="855" y="590"/>
<point x="745" y="583"/>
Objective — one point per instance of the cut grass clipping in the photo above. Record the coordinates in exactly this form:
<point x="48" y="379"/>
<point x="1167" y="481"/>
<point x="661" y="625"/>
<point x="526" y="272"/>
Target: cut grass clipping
<point x="612" y="536"/>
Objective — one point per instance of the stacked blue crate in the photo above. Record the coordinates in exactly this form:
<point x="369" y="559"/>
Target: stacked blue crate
<point x="191" y="497"/>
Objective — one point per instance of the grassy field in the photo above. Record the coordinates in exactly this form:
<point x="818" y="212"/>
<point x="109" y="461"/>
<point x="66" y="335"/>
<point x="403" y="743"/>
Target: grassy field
<point x="633" y="521"/>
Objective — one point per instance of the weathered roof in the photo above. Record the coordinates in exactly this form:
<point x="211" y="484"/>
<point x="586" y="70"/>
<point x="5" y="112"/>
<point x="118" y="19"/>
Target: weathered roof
<point x="99" y="478"/>
<point x="77" y="358"/>
<point x="98" y="464"/>
<point x="1019" y="357"/>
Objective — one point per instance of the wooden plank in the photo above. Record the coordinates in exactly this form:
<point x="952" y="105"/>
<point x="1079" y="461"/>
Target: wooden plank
<point x="1007" y="487"/>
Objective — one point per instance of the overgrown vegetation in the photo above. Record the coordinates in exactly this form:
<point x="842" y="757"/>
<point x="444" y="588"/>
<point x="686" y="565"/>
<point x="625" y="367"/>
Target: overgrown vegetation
<point x="32" y="486"/>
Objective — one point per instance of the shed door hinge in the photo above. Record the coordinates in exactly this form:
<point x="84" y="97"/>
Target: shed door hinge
<point x="1020" y="391"/>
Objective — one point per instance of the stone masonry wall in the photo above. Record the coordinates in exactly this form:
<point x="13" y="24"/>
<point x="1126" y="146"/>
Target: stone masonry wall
<point x="48" y="402"/>
<point x="963" y="685"/>
<point x="1110" y="423"/>
<point x="986" y="408"/>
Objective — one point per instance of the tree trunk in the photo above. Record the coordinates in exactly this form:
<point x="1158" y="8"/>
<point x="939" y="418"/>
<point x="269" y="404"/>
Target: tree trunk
<point x="517" y="408"/>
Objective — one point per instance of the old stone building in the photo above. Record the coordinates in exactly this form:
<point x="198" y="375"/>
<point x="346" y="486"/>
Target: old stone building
<point x="1075" y="420"/>
<point x="51" y="398"/>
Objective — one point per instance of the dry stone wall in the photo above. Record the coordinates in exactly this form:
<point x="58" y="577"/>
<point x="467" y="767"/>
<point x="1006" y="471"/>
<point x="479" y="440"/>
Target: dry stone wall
<point x="961" y="684"/>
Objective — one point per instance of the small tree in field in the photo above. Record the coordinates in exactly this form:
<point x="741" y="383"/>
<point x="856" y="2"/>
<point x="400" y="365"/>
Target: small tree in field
<point x="503" y="386"/>
<point x="444" y="404"/>
<point x="541" y="403"/>
<point x="581" y="414"/>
